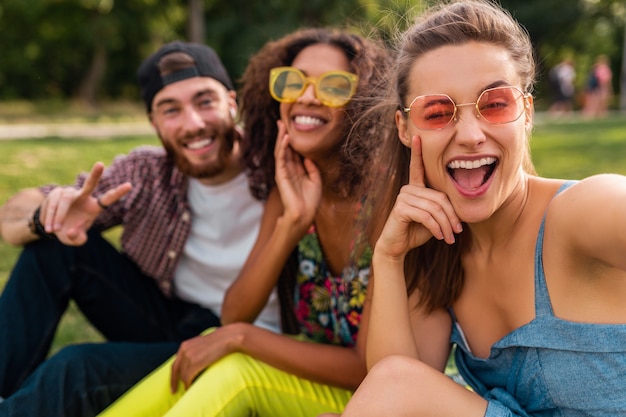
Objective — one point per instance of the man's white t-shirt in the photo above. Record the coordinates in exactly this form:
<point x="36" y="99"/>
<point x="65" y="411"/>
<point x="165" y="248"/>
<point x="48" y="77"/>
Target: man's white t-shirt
<point x="225" y="224"/>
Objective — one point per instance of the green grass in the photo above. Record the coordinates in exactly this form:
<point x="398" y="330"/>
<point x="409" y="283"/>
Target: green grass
<point x="576" y="149"/>
<point x="563" y="149"/>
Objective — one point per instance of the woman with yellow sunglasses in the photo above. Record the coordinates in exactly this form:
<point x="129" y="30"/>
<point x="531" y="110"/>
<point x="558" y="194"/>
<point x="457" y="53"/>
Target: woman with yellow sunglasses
<point x="300" y="96"/>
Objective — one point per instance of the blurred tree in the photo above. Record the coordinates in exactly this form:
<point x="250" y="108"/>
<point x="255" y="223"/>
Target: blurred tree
<point x="89" y="49"/>
<point x="195" y="27"/>
<point x="238" y="28"/>
<point x="77" y="49"/>
<point x="622" y="98"/>
<point x="581" y="29"/>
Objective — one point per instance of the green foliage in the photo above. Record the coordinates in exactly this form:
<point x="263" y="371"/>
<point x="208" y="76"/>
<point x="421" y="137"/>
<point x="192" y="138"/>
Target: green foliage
<point x="578" y="29"/>
<point x="239" y="28"/>
<point x="53" y="57"/>
<point x="74" y="46"/>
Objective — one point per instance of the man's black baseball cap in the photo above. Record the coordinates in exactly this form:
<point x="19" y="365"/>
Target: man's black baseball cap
<point x="207" y="64"/>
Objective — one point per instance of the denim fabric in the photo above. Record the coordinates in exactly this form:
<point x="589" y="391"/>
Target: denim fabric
<point x="550" y="367"/>
<point x="121" y="302"/>
<point x="82" y="380"/>
<point x="495" y="409"/>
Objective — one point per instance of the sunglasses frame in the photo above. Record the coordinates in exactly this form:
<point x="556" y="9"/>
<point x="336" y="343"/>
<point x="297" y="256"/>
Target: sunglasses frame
<point x="278" y="71"/>
<point x="453" y="118"/>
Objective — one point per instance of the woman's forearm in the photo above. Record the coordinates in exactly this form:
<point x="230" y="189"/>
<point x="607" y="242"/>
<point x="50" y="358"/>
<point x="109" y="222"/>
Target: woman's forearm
<point x="327" y="364"/>
<point x="389" y="331"/>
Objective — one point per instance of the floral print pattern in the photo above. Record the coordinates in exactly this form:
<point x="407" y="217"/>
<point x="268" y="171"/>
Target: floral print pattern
<point x="329" y="307"/>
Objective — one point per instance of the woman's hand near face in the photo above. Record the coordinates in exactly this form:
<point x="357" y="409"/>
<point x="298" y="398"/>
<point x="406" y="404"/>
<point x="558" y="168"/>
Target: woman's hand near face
<point x="419" y="213"/>
<point x="298" y="180"/>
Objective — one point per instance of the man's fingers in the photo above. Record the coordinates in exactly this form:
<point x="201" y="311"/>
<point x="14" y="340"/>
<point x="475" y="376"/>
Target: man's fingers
<point x="73" y="237"/>
<point x="45" y="215"/>
<point x="416" y="168"/>
<point x="92" y="179"/>
<point x="113" y="195"/>
<point x="55" y="207"/>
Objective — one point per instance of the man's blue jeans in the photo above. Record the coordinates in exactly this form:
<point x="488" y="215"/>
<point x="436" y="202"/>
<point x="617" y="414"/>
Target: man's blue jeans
<point x="143" y="328"/>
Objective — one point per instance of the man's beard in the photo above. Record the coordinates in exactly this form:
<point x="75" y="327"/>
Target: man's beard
<point x="227" y="137"/>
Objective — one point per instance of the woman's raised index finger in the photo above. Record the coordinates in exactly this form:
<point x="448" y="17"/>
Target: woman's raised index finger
<point x="416" y="168"/>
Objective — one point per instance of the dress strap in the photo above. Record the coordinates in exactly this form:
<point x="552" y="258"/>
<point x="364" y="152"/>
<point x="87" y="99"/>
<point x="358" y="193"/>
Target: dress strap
<point x="543" y="305"/>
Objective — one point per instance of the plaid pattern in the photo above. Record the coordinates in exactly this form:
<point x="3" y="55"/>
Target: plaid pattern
<point x="155" y="214"/>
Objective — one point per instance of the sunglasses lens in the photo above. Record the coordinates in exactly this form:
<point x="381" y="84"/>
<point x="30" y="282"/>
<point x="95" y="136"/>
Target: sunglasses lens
<point x="286" y="84"/>
<point x="335" y="89"/>
<point x="432" y="112"/>
<point x="501" y="105"/>
<point x="496" y="105"/>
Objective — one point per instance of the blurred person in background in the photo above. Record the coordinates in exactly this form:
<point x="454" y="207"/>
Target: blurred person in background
<point x="599" y="89"/>
<point x="562" y="77"/>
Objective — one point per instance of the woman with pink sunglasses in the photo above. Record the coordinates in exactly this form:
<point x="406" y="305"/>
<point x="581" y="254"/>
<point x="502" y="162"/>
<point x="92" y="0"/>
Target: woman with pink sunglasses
<point x="524" y="275"/>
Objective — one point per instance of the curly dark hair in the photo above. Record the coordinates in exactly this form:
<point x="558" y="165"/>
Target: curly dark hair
<point x="259" y="111"/>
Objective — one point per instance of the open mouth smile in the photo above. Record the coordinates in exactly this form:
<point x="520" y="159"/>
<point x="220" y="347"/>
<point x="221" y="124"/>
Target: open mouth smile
<point x="471" y="175"/>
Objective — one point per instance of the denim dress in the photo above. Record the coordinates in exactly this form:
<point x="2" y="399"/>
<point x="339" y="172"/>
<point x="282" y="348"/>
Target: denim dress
<point x="549" y="367"/>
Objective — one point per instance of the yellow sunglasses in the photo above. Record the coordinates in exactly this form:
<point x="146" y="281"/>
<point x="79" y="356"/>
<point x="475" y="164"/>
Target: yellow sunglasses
<point x="332" y="89"/>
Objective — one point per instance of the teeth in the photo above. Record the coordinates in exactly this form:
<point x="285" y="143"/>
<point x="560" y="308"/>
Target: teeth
<point x="472" y="164"/>
<point x="308" y="120"/>
<point x="199" y="143"/>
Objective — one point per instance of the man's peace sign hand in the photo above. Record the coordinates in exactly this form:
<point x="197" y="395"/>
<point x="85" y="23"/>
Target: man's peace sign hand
<point x="69" y="212"/>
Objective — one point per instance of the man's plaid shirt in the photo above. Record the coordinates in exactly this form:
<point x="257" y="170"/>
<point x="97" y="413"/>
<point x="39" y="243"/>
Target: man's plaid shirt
<point x="155" y="214"/>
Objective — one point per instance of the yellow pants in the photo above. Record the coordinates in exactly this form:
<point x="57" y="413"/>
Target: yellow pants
<point x="236" y="385"/>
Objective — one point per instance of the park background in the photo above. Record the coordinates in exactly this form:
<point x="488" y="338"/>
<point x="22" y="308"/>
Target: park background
<point x="87" y="51"/>
<point x="72" y="63"/>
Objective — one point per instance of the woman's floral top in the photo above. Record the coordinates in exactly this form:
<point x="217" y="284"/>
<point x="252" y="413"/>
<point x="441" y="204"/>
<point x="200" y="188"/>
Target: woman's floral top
<point x="329" y="308"/>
